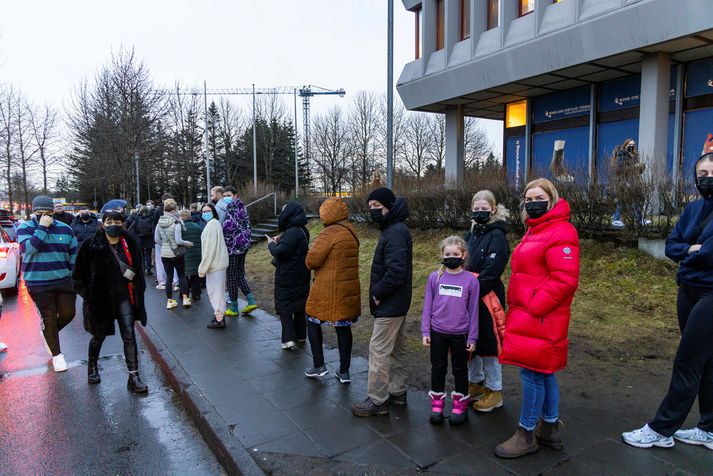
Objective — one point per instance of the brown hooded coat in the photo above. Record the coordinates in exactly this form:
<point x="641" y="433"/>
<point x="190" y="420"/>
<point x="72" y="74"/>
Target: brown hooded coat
<point x="334" y="257"/>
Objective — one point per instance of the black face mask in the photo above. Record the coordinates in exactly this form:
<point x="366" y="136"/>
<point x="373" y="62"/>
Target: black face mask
<point x="536" y="209"/>
<point x="481" y="217"/>
<point x="113" y="231"/>
<point x="452" y="263"/>
<point x="705" y="186"/>
<point x="377" y="215"/>
<point x="85" y="218"/>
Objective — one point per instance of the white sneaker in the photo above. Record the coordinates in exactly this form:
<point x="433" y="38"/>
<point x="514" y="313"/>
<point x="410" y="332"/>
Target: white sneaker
<point x="186" y="302"/>
<point x="646" y="438"/>
<point x="3" y="347"/>
<point x="171" y="304"/>
<point x="161" y="286"/>
<point x="176" y="287"/>
<point x="287" y="345"/>
<point x="58" y="363"/>
<point x="695" y="436"/>
<point x="617" y="224"/>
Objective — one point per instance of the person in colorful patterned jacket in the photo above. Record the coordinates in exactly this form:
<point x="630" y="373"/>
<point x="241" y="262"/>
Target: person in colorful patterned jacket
<point x="49" y="250"/>
<point x="237" y="231"/>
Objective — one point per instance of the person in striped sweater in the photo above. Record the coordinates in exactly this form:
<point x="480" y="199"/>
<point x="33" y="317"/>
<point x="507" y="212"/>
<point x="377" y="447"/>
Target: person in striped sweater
<point x="49" y="250"/>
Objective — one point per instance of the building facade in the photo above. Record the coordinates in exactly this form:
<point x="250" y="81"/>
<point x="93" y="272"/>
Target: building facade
<point x="571" y="80"/>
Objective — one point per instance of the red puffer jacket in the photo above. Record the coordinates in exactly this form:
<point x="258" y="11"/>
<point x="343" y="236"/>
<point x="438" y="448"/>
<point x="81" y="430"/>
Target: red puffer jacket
<point x="545" y="275"/>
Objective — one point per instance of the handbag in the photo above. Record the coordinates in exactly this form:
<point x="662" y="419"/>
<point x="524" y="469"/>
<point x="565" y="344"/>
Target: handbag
<point x="178" y="250"/>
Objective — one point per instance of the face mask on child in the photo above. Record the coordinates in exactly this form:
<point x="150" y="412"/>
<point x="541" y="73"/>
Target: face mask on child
<point x="452" y="262"/>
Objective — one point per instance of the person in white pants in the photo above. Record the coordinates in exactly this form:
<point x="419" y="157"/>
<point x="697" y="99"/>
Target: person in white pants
<point x="214" y="263"/>
<point x="161" y="273"/>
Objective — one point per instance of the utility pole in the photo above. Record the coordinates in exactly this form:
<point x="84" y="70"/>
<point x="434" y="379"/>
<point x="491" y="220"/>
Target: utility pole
<point x="138" y="185"/>
<point x="294" y="140"/>
<point x="254" y="147"/>
<point x="390" y="97"/>
<point x="205" y="139"/>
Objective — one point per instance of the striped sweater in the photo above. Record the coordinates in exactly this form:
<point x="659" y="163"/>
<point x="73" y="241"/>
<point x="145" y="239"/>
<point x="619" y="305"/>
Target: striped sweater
<point x="48" y="255"/>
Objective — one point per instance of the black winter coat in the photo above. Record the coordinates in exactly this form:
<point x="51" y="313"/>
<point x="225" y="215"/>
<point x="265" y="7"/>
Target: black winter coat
<point x="290" y="252"/>
<point x="84" y="230"/>
<point x="143" y="228"/>
<point x="392" y="266"/>
<point x="97" y="277"/>
<point x="488" y="255"/>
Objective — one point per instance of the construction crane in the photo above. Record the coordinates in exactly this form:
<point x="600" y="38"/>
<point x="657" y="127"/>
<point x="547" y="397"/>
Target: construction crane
<point x="305" y="92"/>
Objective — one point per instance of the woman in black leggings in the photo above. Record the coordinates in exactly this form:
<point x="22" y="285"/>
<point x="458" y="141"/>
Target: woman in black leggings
<point x="108" y="276"/>
<point x="691" y="245"/>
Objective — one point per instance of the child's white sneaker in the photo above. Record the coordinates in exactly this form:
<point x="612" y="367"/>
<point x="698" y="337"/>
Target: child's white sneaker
<point x="58" y="363"/>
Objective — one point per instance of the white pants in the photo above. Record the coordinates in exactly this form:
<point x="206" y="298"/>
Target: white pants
<point x="215" y="287"/>
<point x="488" y="369"/>
<point x="160" y="272"/>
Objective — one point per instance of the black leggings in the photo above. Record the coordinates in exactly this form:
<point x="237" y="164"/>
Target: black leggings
<point x="194" y="283"/>
<point x="177" y="264"/>
<point x="146" y="255"/>
<point x="344" y="342"/>
<point x="56" y="305"/>
<point x="441" y="344"/>
<point x="125" y="317"/>
<point x="693" y="365"/>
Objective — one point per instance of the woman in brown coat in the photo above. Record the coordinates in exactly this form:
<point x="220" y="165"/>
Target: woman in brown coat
<point x="335" y="296"/>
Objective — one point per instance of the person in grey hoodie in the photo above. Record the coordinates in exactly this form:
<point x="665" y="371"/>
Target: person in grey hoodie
<point x="221" y="206"/>
<point x="168" y="236"/>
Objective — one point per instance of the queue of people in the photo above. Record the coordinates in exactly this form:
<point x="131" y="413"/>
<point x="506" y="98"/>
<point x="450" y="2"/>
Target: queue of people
<point x="467" y="313"/>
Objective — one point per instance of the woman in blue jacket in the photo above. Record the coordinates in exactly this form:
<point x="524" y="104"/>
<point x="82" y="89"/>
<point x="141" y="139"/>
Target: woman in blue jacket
<point x="690" y="245"/>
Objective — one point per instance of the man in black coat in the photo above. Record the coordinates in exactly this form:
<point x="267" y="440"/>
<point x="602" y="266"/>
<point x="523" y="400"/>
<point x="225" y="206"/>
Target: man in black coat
<point x="389" y="299"/>
<point x="85" y="224"/>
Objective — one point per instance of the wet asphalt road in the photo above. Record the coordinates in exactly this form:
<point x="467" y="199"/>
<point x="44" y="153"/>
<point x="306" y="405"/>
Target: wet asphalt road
<point x="56" y="424"/>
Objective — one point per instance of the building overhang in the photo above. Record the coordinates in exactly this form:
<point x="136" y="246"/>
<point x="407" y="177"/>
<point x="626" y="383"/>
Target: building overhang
<point x="603" y="48"/>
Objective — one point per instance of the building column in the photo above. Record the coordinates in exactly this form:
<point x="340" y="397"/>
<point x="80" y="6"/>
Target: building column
<point x="455" y="159"/>
<point x="653" y="112"/>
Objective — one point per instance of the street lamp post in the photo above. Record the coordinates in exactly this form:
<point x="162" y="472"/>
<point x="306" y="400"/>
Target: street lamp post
<point x="138" y="184"/>
<point x="390" y="97"/>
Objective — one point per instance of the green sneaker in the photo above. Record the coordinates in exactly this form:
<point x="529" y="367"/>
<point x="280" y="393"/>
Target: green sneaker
<point x="248" y="309"/>
<point x="232" y="310"/>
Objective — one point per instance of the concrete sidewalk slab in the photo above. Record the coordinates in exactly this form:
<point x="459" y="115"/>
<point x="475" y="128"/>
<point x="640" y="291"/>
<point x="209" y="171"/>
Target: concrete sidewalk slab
<point x="258" y="409"/>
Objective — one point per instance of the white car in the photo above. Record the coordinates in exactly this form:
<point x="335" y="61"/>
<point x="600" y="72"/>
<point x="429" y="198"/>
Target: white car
<point x="9" y="263"/>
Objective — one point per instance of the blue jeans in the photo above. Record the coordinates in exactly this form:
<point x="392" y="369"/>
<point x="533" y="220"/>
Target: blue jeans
<point x="540" y="398"/>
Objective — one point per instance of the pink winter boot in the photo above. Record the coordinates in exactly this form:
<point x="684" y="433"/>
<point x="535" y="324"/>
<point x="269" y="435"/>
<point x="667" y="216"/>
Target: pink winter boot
<point x="438" y="401"/>
<point x="460" y="408"/>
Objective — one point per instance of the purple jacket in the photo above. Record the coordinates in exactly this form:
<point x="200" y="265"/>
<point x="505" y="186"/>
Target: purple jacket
<point x="451" y="305"/>
<point x="236" y="228"/>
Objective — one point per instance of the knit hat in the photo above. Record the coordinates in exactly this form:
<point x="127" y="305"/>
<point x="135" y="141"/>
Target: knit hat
<point x="384" y="196"/>
<point x="42" y="203"/>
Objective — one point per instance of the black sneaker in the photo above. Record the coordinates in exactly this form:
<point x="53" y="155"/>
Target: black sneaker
<point x="368" y="408"/>
<point x="216" y="324"/>
<point x="315" y="372"/>
<point x="343" y="377"/>
<point x="400" y="400"/>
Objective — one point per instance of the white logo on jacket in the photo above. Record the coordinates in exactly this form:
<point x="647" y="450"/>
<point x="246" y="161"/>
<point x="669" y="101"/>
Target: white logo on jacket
<point x="450" y="290"/>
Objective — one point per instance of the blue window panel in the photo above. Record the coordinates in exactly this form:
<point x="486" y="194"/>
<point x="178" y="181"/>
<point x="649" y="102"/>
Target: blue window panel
<point x="699" y="78"/>
<point x="515" y="159"/>
<point x="570" y="103"/>
<point x="576" y="155"/>
<point x="698" y="128"/>
<point x="669" y="152"/>
<point x="610" y="135"/>
<point x="620" y="94"/>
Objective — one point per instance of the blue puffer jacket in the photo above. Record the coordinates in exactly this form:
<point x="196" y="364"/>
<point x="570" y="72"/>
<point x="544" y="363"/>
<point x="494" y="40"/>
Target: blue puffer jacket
<point x="84" y="230"/>
<point x="695" y="269"/>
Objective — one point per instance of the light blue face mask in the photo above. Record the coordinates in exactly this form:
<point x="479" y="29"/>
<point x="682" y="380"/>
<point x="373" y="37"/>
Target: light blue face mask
<point x="228" y="199"/>
<point x="207" y="216"/>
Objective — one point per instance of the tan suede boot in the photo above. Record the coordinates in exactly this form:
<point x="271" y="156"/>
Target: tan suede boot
<point x="476" y="390"/>
<point x="523" y="442"/>
<point x="548" y="434"/>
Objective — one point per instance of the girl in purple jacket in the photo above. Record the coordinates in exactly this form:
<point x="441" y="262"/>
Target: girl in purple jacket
<point x="450" y="325"/>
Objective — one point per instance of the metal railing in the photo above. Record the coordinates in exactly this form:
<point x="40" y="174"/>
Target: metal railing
<point x="274" y="197"/>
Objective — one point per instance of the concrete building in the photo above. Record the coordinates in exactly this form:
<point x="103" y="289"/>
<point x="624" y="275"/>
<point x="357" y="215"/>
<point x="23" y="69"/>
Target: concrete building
<point x="570" y="79"/>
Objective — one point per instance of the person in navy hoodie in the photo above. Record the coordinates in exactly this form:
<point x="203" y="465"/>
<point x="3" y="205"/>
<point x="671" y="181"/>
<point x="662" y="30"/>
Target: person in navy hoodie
<point x="691" y="246"/>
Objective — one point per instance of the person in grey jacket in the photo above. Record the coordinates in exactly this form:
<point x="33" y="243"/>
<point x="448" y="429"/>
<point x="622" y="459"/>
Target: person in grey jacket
<point x="168" y="235"/>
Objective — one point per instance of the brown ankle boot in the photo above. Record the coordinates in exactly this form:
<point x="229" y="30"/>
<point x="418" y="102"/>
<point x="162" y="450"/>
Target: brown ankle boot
<point x="523" y="442"/>
<point x="548" y="434"/>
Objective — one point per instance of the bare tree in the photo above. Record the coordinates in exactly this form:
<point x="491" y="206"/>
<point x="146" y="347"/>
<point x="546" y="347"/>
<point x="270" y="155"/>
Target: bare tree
<point x="438" y="140"/>
<point x="231" y="124"/>
<point x="477" y="147"/>
<point x="331" y="149"/>
<point x="364" y="124"/>
<point x="418" y="138"/>
<point x="43" y="124"/>
<point x="7" y="135"/>
<point x="25" y="148"/>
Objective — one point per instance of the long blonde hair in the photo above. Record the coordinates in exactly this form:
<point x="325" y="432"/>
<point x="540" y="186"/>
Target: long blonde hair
<point x="549" y="189"/>
<point x="453" y="240"/>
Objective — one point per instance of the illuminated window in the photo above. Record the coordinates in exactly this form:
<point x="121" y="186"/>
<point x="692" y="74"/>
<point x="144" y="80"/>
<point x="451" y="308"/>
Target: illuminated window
<point x="516" y="114"/>
<point x="526" y="6"/>
<point x="440" y="24"/>
<point x="556" y="1"/>
<point x="464" y="19"/>
<point x="417" y="15"/>
<point x="493" y="14"/>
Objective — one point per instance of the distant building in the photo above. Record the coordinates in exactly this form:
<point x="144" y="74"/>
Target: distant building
<point x="571" y="79"/>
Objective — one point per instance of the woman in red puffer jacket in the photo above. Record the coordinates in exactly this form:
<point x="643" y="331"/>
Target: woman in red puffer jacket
<point x="545" y="275"/>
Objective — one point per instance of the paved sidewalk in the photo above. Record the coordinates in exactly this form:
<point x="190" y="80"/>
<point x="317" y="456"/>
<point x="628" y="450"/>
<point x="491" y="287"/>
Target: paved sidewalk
<point x="254" y="397"/>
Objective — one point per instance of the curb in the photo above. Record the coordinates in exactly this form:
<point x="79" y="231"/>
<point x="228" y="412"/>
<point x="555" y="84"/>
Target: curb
<point x="234" y="458"/>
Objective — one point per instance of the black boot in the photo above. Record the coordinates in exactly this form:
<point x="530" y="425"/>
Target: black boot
<point x="93" y="373"/>
<point x="135" y="384"/>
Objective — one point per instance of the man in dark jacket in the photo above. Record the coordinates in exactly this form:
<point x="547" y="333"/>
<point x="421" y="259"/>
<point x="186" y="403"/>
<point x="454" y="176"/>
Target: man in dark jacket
<point x="61" y="215"/>
<point x="389" y="299"/>
<point x="143" y="228"/>
<point x="85" y="224"/>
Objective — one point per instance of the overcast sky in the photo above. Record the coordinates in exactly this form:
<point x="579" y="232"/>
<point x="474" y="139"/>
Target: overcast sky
<point x="48" y="46"/>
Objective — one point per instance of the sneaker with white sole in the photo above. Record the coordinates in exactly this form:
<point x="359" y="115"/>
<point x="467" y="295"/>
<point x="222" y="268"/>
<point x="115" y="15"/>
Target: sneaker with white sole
<point x="287" y="345"/>
<point x="3" y="347"/>
<point x="176" y="287"/>
<point x="161" y="286"/>
<point x="646" y="438"/>
<point x="171" y="304"/>
<point x="315" y="372"/>
<point x="186" y="302"/>
<point x="58" y="363"/>
<point x="695" y="436"/>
